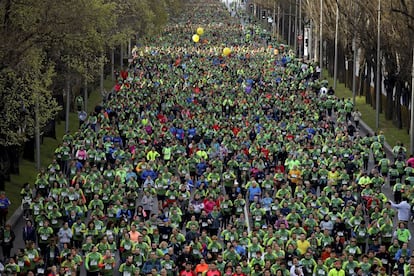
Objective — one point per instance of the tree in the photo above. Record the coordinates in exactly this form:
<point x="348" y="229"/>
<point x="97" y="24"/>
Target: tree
<point x="359" y="19"/>
<point x="37" y="37"/>
<point x="49" y="44"/>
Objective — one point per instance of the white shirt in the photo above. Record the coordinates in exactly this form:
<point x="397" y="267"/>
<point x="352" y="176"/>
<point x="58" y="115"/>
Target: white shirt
<point x="294" y="269"/>
<point x="404" y="210"/>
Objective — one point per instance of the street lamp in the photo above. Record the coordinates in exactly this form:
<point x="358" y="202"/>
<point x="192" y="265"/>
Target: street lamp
<point x="290" y="23"/>
<point x="354" y="52"/>
<point x="320" y="38"/>
<point x="354" y="68"/>
<point x="300" y="29"/>
<point x="37" y="133"/>
<point x="336" y="45"/>
<point x="378" y="95"/>
<point x="412" y="110"/>
<point x="67" y="105"/>
<point x="307" y="39"/>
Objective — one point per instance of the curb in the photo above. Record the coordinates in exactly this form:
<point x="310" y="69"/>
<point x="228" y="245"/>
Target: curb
<point x="16" y="217"/>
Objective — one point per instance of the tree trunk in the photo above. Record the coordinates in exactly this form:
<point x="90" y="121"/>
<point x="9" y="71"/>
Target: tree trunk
<point x="397" y="106"/>
<point x="112" y="64"/>
<point x="28" y="152"/>
<point x="368" y="84"/>
<point x="4" y="167"/>
<point x="389" y="88"/>
<point x="121" y="57"/>
<point x="14" y="157"/>
<point x="7" y="13"/>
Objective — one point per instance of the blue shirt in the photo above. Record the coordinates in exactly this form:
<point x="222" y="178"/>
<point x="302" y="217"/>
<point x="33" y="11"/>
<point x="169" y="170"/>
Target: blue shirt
<point x="192" y="132"/>
<point x="179" y="134"/>
<point x="199" y="183"/>
<point x="254" y="191"/>
<point x="149" y="173"/>
<point x="4" y="203"/>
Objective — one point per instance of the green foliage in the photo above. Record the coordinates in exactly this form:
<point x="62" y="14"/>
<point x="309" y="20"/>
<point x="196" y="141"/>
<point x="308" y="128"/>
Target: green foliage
<point x="45" y="42"/>
<point x="39" y="38"/>
<point x="141" y="18"/>
<point x="85" y="37"/>
<point x="47" y="150"/>
<point x="20" y="93"/>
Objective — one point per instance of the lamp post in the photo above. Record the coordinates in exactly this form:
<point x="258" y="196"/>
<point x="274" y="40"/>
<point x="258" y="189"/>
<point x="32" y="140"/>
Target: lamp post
<point x="412" y="110"/>
<point x="37" y="133"/>
<point x="300" y="42"/>
<point x="354" y="52"/>
<point x="290" y="23"/>
<point x="378" y="95"/>
<point x="278" y="23"/>
<point x="295" y="41"/>
<point x="67" y="105"/>
<point x="85" y="95"/>
<point x="354" y="66"/>
<point x="336" y="45"/>
<point x="320" y="38"/>
<point x="101" y="77"/>
<point x="307" y="40"/>
<point x="274" y="20"/>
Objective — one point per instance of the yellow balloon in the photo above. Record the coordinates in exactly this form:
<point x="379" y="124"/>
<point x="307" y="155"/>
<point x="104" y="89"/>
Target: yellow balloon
<point x="200" y="31"/>
<point x="196" y="38"/>
<point x="226" y="51"/>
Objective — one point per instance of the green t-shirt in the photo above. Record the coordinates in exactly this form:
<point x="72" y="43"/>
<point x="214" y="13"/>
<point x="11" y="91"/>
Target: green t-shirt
<point x="92" y="261"/>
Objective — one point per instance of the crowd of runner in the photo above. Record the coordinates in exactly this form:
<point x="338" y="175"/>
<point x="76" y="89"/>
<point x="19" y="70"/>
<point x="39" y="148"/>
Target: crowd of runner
<point x="201" y="163"/>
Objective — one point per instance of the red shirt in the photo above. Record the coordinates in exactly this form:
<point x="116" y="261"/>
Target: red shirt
<point x="265" y="152"/>
<point x="410" y="162"/>
<point x="213" y="273"/>
<point x="325" y="255"/>
<point x="281" y="168"/>
<point x="235" y="130"/>
<point x="209" y="205"/>
<point x="187" y="273"/>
